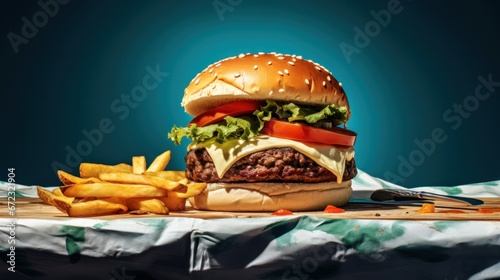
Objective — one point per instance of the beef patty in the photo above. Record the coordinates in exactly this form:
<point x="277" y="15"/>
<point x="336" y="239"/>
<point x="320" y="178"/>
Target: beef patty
<point x="279" y="164"/>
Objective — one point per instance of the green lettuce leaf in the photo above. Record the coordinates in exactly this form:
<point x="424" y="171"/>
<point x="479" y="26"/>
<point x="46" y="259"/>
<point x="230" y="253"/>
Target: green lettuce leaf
<point x="246" y="127"/>
<point x="293" y="112"/>
<point x="230" y="128"/>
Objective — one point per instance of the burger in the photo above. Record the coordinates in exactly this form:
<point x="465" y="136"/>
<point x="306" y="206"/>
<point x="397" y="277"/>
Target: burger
<point x="269" y="132"/>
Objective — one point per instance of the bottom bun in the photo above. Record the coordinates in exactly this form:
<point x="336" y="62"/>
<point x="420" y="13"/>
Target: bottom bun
<point x="272" y="196"/>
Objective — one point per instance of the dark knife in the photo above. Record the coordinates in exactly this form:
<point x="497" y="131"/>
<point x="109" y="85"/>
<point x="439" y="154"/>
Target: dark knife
<point x="399" y="195"/>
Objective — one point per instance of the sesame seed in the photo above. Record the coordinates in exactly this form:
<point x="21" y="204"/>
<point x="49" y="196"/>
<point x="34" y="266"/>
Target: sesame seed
<point x="329" y="78"/>
<point x="307" y="81"/>
<point x="261" y="53"/>
<point x="255" y="67"/>
<point x="273" y="53"/>
<point x="293" y="59"/>
<point x="286" y="71"/>
<point x="271" y="92"/>
<point x="269" y="62"/>
<point x="317" y="68"/>
<point x="324" y="83"/>
<point x="291" y="63"/>
<point x="215" y="74"/>
<point x="280" y="73"/>
<point x="197" y="81"/>
<point x="293" y="55"/>
<point x="299" y="57"/>
<point x="281" y="90"/>
<point x="237" y="75"/>
<point x="255" y="55"/>
<point x="211" y="70"/>
<point x="340" y="84"/>
<point x="241" y="55"/>
<point x="218" y="64"/>
<point x="281" y="57"/>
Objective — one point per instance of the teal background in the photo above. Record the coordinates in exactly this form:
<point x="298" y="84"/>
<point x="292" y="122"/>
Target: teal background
<point x="426" y="59"/>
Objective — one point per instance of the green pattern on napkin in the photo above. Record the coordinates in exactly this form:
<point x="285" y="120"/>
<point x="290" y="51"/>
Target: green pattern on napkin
<point x="73" y="236"/>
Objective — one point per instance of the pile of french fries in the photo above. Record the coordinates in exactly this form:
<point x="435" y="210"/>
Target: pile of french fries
<point x="123" y="188"/>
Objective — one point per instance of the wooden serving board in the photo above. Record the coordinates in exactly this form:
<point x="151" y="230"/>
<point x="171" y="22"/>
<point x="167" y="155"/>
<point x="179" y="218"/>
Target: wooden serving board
<point x="33" y="208"/>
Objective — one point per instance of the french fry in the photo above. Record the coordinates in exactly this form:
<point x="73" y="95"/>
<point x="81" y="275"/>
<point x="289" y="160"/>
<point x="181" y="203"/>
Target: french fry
<point x="138" y="164"/>
<point x="57" y="191"/>
<point x="160" y="162"/>
<point x="68" y="179"/>
<point x="135" y="188"/>
<point x="145" y="205"/>
<point x="94" y="169"/>
<point x="98" y="207"/>
<point x="173" y="175"/>
<point x="131" y="178"/>
<point x="50" y="198"/>
<point x="100" y="190"/>
<point x="58" y="200"/>
<point x="192" y="190"/>
<point x="45" y="195"/>
<point x="173" y="203"/>
<point x="83" y="199"/>
<point x="62" y="205"/>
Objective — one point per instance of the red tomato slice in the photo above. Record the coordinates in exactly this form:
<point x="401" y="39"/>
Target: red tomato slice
<point x="333" y="209"/>
<point x="282" y="212"/>
<point x="232" y="109"/>
<point x="305" y="133"/>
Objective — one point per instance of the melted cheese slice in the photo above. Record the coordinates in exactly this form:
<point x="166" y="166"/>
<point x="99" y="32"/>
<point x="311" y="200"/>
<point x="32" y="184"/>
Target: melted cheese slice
<point x="226" y="154"/>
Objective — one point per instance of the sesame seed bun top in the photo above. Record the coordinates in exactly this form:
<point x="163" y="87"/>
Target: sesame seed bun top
<point x="263" y="76"/>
